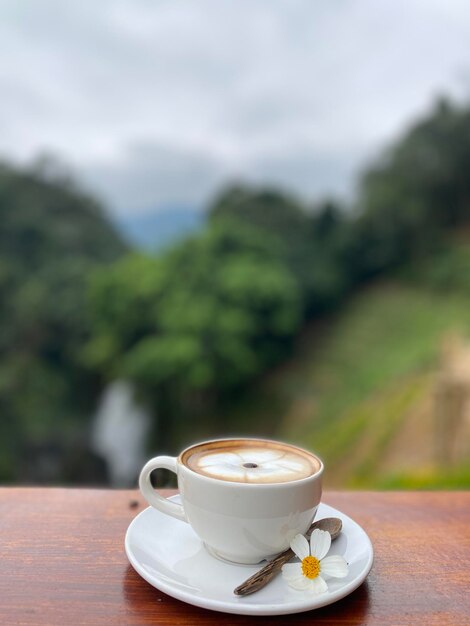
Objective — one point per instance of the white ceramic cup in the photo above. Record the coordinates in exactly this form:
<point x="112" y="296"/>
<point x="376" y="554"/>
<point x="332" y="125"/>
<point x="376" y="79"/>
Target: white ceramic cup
<point x="239" y="522"/>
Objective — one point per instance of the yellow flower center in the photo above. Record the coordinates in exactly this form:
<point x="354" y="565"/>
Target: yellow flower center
<point x="310" y="567"/>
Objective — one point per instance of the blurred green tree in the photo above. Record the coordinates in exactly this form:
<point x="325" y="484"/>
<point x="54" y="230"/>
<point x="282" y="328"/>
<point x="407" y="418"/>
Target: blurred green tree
<point x="195" y="324"/>
<point x="311" y="243"/>
<point x="418" y="191"/>
<point x="51" y="236"/>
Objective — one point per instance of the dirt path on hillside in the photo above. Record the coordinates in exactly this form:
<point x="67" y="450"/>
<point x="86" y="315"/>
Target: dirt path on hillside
<point x="387" y="421"/>
<point x="418" y="425"/>
<point x="436" y="430"/>
<point x="412" y="448"/>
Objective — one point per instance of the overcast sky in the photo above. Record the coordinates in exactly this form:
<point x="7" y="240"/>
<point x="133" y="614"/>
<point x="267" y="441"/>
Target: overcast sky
<point x="158" y="103"/>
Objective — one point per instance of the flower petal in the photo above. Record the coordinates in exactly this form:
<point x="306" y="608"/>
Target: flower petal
<point x="300" y="546"/>
<point x="320" y="542"/>
<point x="300" y="583"/>
<point x="318" y="585"/>
<point x="291" y="570"/>
<point x="334" y="566"/>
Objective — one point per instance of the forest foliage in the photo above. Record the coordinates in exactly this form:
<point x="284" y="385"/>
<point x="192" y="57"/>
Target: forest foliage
<point x="198" y="323"/>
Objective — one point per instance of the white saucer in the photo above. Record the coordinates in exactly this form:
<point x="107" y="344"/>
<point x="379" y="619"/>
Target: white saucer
<point x="169" y="555"/>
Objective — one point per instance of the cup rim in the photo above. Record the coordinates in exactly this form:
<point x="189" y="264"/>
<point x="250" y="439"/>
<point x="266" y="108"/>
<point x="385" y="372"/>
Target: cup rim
<point x="236" y="484"/>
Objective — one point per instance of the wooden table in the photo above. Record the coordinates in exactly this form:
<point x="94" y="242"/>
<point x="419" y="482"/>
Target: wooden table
<point x="62" y="562"/>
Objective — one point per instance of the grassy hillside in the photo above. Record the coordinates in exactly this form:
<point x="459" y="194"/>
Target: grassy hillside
<point x="359" y="390"/>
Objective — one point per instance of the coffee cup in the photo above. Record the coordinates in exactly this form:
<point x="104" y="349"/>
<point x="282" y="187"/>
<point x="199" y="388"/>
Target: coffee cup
<point x="245" y="498"/>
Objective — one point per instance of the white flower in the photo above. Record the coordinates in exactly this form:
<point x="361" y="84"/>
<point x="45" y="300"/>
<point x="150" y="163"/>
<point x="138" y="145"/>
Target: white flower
<point x="313" y="568"/>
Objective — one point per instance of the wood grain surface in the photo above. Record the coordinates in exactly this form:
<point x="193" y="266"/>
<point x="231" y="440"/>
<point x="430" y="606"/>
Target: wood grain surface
<point x="62" y="562"/>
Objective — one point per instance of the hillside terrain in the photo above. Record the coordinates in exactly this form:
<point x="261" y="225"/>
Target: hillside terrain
<point x="361" y="389"/>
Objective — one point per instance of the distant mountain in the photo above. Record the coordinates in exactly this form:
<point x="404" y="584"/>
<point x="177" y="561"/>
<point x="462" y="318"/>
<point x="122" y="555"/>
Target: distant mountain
<point x="154" y="231"/>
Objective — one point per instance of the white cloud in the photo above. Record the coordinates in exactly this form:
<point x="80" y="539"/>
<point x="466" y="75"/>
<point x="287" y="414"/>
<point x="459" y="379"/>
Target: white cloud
<point x="179" y="177"/>
<point x="160" y="102"/>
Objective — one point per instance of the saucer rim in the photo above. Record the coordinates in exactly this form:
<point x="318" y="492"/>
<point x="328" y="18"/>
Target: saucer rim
<point x="307" y="603"/>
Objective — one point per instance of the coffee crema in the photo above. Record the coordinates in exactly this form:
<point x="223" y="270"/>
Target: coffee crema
<point x="255" y="461"/>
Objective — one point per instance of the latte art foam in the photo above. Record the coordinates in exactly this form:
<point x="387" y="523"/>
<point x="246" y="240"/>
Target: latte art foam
<point x="246" y="461"/>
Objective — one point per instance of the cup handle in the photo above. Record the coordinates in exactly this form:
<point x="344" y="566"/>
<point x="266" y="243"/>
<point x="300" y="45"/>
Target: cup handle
<point x="149" y="493"/>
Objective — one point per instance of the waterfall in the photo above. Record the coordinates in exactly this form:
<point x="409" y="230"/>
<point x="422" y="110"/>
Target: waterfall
<point x="119" y="433"/>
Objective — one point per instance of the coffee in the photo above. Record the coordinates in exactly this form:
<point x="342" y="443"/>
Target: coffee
<point x="251" y="461"/>
<point x="244" y="498"/>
